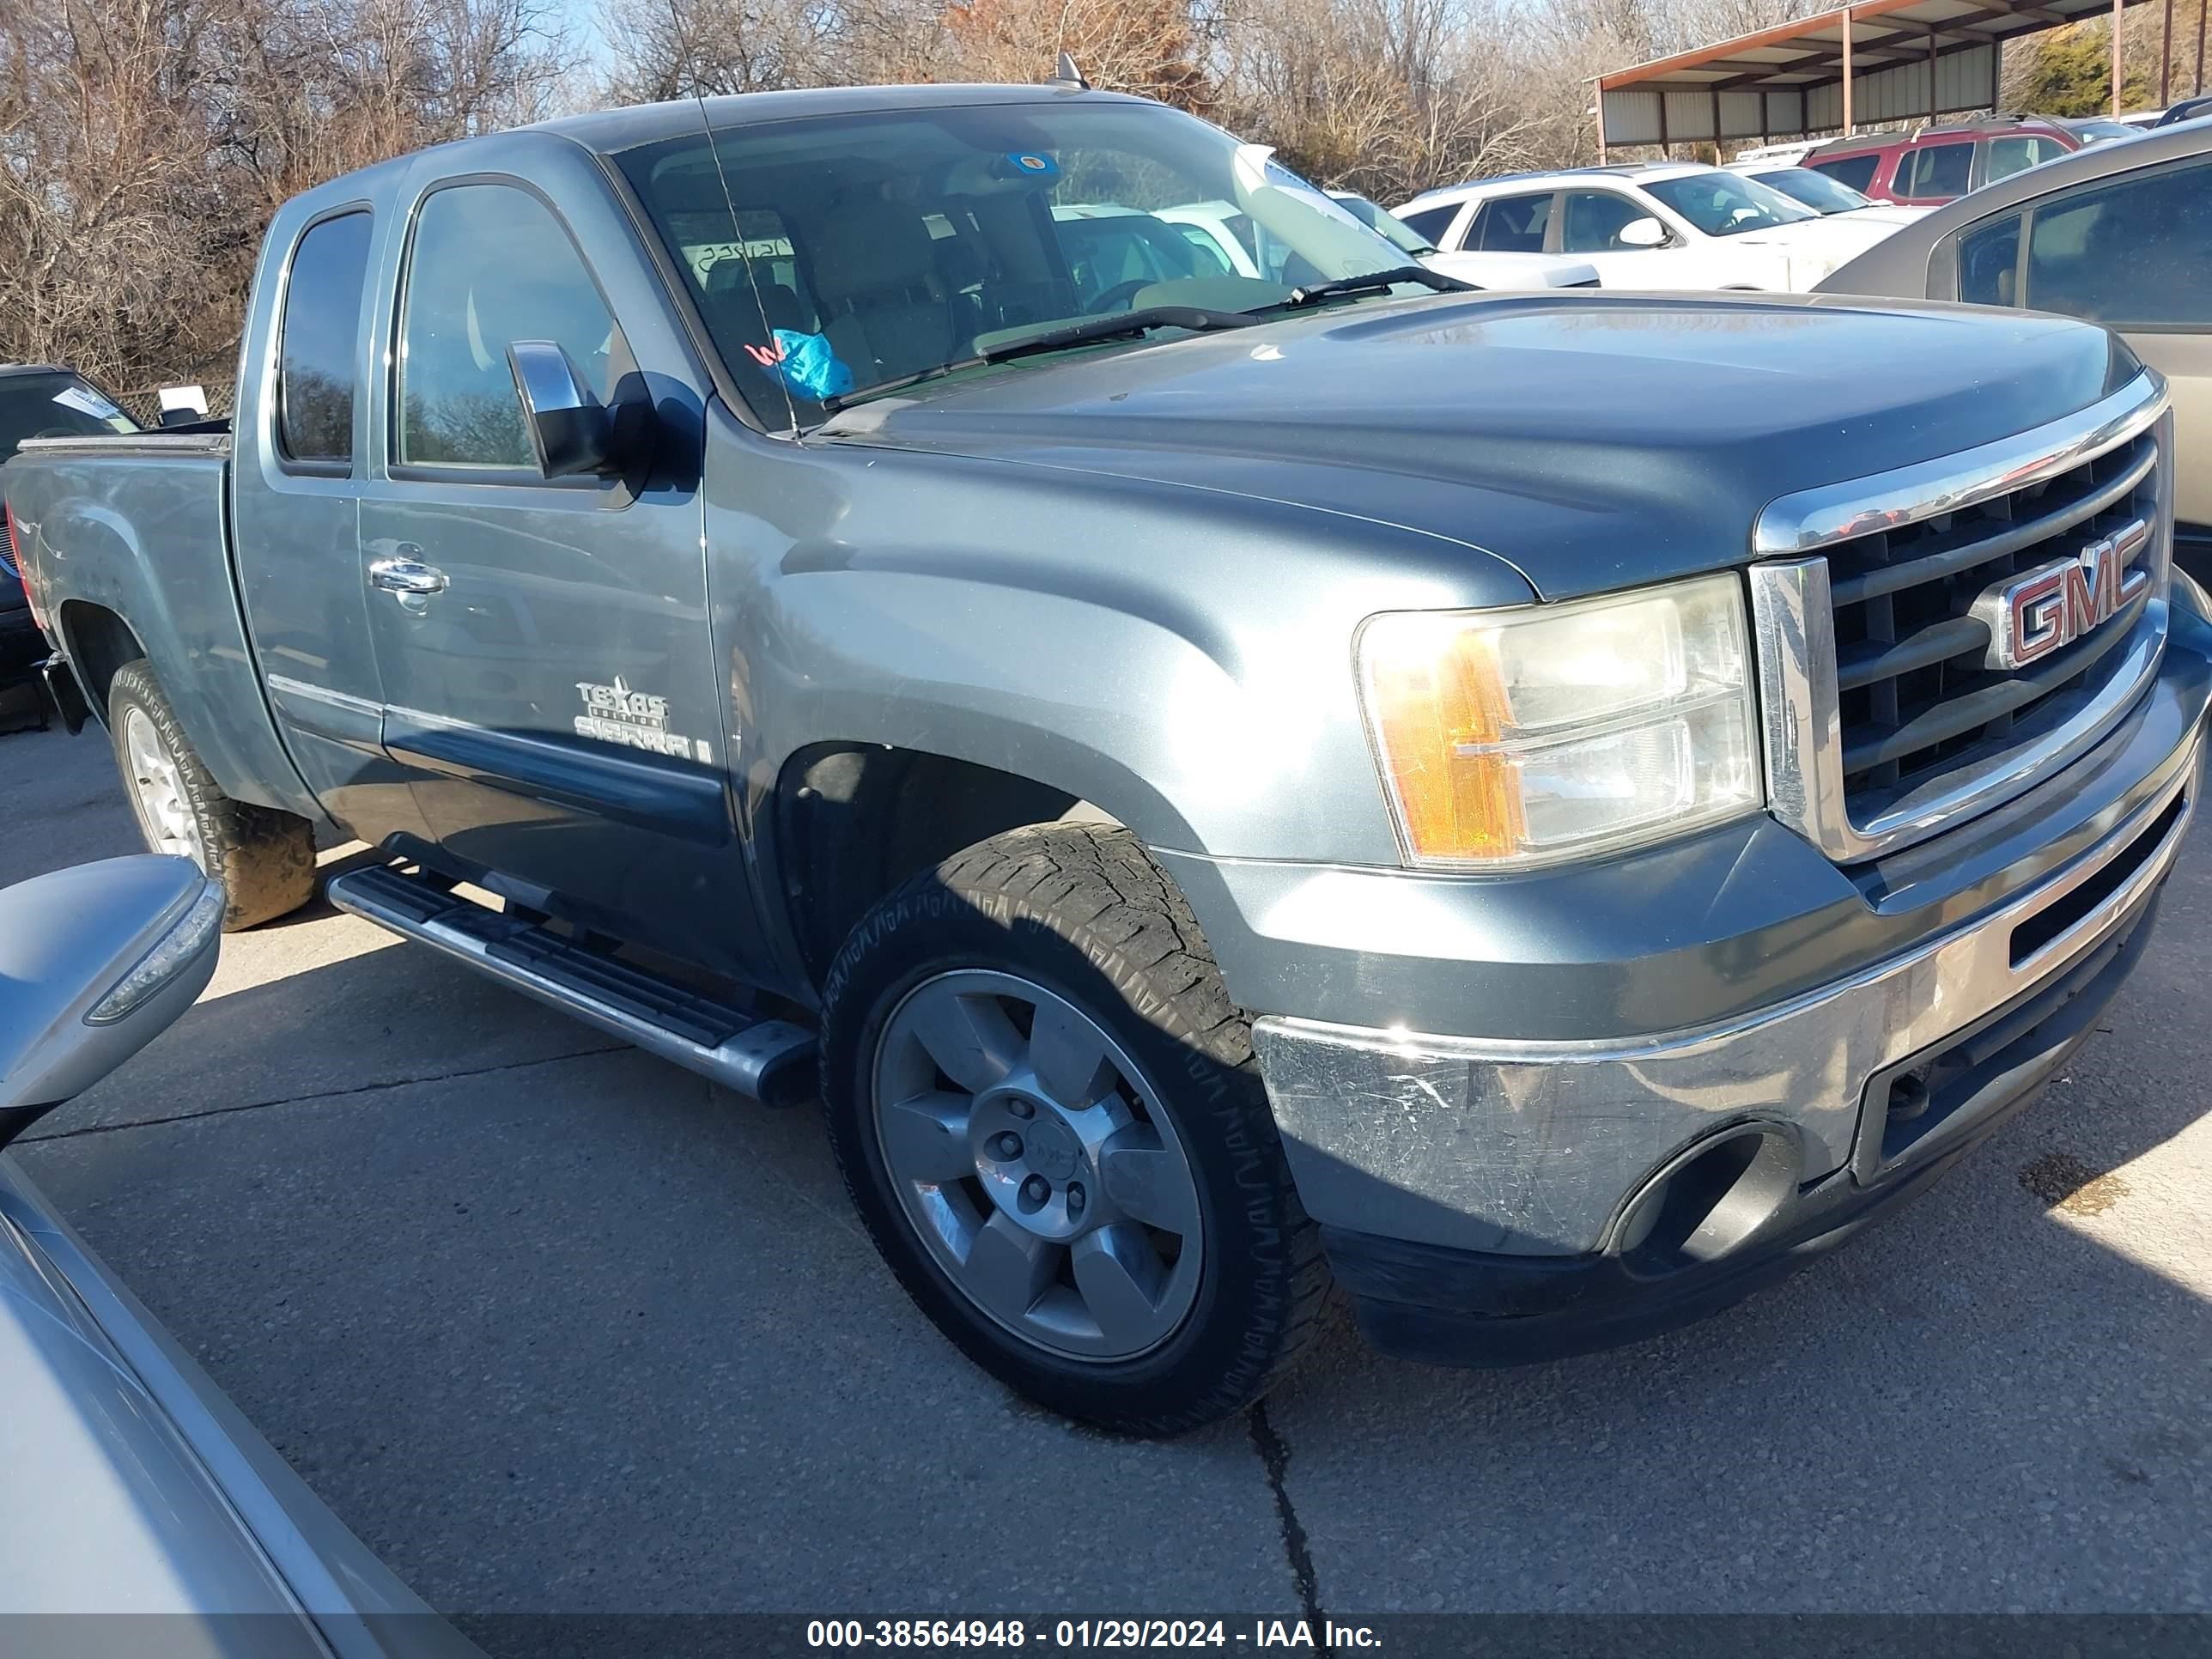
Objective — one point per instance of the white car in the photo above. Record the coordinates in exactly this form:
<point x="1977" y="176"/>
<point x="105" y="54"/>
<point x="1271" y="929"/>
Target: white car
<point x="1650" y="225"/>
<point x="1828" y="196"/>
<point x="1250" y="250"/>
<point x="1483" y="270"/>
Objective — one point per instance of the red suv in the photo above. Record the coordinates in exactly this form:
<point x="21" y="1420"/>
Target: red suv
<point x="1926" y="167"/>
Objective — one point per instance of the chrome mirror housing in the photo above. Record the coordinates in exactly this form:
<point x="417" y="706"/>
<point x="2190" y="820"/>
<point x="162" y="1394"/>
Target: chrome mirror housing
<point x="95" y="961"/>
<point x="571" y="431"/>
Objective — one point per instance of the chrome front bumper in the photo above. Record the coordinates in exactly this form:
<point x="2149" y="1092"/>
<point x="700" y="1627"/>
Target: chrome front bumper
<point x="1524" y="1148"/>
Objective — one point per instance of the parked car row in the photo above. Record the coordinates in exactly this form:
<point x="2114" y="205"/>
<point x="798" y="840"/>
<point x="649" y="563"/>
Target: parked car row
<point x="1653" y="225"/>
<point x="2120" y="234"/>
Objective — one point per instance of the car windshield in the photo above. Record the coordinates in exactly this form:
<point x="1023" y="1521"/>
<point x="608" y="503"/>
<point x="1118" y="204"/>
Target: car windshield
<point x="1814" y="189"/>
<point x="1727" y="204"/>
<point x="876" y="247"/>
<point x="54" y="405"/>
<point x="1397" y="231"/>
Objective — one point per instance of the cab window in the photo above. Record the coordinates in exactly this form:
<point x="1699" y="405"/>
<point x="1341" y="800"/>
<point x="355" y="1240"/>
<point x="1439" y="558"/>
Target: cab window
<point x="1938" y="170"/>
<point x="2016" y="153"/>
<point x="1512" y="224"/>
<point x="318" y="344"/>
<point x="1593" y="222"/>
<point x="2130" y="254"/>
<point x="1989" y="261"/>
<point x="1431" y="223"/>
<point x="489" y="265"/>
<point x="1856" y="171"/>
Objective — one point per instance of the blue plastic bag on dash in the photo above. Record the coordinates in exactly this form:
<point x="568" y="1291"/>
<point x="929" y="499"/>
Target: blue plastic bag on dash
<point x="804" y="362"/>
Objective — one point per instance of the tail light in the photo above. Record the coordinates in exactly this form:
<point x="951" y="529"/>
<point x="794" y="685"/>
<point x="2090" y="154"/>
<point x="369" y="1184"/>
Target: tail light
<point x="11" y="561"/>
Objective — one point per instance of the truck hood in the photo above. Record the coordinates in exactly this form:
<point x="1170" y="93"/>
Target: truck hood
<point x="1594" y="440"/>
<point x="1514" y="270"/>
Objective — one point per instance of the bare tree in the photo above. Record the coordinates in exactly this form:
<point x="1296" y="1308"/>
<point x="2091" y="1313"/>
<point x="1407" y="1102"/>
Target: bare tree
<point x="144" y="144"/>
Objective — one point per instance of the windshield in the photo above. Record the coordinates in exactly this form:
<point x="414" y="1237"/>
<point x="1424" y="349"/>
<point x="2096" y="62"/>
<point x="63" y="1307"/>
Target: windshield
<point x="1814" y="189"/>
<point x="2093" y="132"/>
<point x="871" y="247"/>
<point x="1400" y="235"/>
<point x="54" y="405"/>
<point x="1727" y="204"/>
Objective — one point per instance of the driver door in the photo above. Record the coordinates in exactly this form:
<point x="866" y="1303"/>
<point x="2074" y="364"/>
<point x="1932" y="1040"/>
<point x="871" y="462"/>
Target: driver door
<point x="553" y="694"/>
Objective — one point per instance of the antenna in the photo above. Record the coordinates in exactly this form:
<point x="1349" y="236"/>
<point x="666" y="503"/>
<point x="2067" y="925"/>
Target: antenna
<point x="752" y="280"/>
<point x="1067" y="74"/>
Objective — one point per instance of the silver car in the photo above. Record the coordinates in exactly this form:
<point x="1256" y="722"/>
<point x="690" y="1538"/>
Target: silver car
<point x="133" y="1487"/>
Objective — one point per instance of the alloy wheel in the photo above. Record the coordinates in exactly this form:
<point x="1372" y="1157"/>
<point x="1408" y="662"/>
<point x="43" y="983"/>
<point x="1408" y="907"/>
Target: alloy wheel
<point x="1030" y="1153"/>
<point x="157" y="790"/>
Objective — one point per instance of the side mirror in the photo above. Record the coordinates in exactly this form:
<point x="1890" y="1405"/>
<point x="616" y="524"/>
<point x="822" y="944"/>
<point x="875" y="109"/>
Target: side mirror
<point x="96" y="962"/>
<point x="571" y="431"/>
<point x="1646" y="232"/>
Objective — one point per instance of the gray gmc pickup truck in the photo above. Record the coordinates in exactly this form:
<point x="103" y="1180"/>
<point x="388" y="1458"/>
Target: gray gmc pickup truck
<point x="1542" y="812"/>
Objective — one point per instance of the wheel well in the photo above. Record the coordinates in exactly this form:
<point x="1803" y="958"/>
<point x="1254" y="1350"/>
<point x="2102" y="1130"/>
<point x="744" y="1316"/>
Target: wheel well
<point x="99" y="643"/>
<point x="855" y="820"/>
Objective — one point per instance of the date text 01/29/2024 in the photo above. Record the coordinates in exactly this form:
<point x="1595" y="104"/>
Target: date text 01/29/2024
<point x="1325" y="1636"/>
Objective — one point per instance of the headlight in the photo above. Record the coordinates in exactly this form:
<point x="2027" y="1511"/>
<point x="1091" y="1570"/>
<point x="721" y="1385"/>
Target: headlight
<point x="1552" y="732"/>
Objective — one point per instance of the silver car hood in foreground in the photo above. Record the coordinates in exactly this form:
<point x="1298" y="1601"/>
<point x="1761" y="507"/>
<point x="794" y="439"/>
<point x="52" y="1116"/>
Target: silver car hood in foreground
<point x="135" y="1487"/>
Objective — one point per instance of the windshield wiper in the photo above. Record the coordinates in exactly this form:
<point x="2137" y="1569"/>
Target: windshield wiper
<point x="1113" y="327"/>
<point x="1373" y="281"/>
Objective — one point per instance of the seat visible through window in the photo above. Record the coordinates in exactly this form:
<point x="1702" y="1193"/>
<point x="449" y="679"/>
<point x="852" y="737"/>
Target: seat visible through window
<point x="885" y="309"/>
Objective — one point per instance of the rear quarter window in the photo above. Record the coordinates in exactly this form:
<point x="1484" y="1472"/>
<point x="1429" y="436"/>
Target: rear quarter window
<point x="318" y="341"/>
<point x="1857" y="171"/>
<point x="1432" y="222"/>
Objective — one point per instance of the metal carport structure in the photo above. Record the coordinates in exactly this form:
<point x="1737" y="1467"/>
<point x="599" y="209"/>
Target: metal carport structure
<point x="1870" y="63"/>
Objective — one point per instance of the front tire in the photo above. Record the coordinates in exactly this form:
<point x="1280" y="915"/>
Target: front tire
<point x="264" y="858"/>
<point x="1048" y="1115"/>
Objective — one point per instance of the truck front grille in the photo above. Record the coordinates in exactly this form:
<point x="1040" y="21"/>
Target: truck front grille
<point x="1885" y="719"/>
<point x="1913" y="696"/>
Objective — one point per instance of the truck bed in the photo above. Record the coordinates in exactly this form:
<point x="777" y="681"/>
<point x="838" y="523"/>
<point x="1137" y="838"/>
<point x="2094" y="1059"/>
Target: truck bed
<point x="138" y="525"/>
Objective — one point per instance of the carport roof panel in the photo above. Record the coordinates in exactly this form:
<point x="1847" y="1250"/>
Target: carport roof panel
<point x="1810" y="52"/>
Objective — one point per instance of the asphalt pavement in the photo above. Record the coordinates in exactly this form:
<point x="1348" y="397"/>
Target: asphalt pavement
<point x="556" y="1327"/>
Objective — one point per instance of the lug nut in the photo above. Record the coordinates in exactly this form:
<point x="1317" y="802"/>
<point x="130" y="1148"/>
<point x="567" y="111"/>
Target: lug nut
<point x="1036" y="1189"/>
<point x="1006" y="1146"/>
<point x="1021" y="1108"/>
<point x="1075" y="1197"/>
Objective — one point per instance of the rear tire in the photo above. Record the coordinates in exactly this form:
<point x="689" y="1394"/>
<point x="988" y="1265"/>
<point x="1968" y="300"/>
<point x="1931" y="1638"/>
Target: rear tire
<point x="264" y="858"/>
<point x="1142" y="1262"/>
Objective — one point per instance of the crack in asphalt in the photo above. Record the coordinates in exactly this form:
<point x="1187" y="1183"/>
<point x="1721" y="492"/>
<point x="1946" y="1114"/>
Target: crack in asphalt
<point x="325" y="1094"/>
<point x="1275" y="1457"/>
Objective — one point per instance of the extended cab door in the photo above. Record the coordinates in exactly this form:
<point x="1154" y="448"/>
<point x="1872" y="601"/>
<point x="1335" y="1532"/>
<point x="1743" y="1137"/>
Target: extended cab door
<point x="553" y="693"/>
<point x="299" y="451"/>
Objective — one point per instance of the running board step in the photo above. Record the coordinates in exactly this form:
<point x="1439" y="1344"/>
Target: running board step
<point x="771" y="1061"/>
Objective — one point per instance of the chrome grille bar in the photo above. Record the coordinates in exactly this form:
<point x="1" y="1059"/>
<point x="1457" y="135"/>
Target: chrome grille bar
<point x="1988" y="738"/>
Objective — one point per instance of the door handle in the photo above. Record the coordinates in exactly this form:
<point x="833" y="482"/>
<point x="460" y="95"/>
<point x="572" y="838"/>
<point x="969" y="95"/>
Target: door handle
<point x="410" y="578"/>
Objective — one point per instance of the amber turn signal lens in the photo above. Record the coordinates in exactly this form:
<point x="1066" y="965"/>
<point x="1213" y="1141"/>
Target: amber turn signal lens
<point x="1435" y="698"/>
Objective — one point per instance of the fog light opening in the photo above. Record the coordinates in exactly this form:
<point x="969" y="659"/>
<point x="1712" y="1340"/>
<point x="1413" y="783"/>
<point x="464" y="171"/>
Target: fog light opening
<point x="1710" y="1199"/>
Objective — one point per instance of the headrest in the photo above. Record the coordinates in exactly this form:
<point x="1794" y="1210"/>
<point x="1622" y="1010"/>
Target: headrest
<point x="863" y="246"/>
<point x="729" y="292"/>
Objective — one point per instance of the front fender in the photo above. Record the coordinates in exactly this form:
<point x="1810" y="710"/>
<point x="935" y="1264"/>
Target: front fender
<point x="1180" y="658"/>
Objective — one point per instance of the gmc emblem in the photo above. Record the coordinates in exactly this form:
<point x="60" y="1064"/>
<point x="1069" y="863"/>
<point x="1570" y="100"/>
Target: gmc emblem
<point x="2032" y="615"/>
